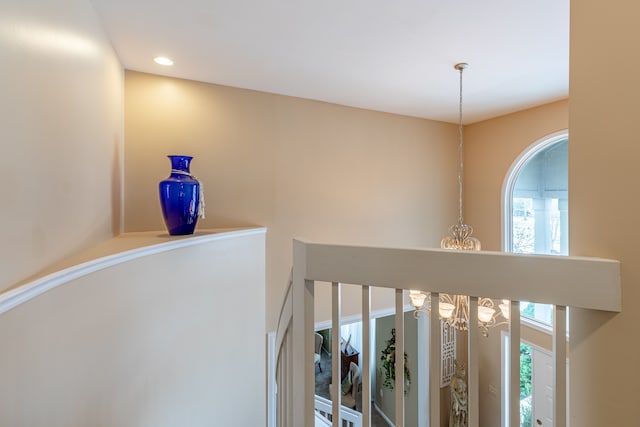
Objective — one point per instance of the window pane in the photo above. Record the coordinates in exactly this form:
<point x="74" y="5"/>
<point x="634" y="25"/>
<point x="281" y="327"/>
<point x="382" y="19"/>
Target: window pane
<point x="542" y="313"/>
<point x="539" y="216"/>
<point x="523" y="226"/>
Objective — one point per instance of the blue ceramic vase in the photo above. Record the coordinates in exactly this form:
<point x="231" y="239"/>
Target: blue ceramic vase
<point x="180" y="197"/>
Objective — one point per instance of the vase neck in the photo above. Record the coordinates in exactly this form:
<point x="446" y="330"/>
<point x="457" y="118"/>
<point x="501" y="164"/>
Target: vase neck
<point x="180" y="163"/>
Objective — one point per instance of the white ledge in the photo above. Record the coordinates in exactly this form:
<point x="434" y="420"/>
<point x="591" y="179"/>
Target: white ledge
<point x="592" y="283"/>
<point x="123" y="248"/>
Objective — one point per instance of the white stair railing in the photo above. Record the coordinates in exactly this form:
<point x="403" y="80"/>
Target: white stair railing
<point x="588" y="283"/>
<point x="284" y="375"/>
<point x="349" y="417"/>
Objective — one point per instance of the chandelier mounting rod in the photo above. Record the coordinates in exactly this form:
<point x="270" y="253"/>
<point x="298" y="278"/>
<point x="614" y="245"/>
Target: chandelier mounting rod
<point x="460" y="67"/>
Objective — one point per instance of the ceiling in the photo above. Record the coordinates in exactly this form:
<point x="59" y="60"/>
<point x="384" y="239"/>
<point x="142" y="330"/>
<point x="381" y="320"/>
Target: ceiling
<point x="392" y="56"/>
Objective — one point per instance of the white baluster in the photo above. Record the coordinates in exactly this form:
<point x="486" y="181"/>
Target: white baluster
<point x="435" y="355"/>
<point x="399" y="386"/>
<point x="366" y="356"/>
<point x="514" y="364"/>
<point x="560" y="366"/>
<point x="473" y="392"/>
<point x="336" y="390"/>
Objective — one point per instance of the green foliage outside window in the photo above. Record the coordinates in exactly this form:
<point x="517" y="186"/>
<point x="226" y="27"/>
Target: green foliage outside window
<point x="529" y="311"/>
<point x="525" y="385"/>
<point x="525" y="370"/>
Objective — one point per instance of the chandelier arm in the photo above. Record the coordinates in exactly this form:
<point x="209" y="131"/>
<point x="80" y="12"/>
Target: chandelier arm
<point x="490" y="324"/>
<point x="486" y="302"/>
<point x="501" y="323"/>
<point x="457" y="312"/>
<point x="447" y="298"/>
<point x="463" y="310"/>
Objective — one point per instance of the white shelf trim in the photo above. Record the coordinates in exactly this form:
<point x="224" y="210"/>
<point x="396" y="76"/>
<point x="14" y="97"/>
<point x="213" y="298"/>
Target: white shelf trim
<point x="27" y="291"/>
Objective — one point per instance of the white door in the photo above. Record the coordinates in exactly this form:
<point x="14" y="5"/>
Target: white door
<point x="541" y="387"/>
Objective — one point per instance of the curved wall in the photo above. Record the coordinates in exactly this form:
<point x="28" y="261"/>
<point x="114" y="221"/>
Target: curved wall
<point x="61" y="134"/>
<point x="174" y="338"/>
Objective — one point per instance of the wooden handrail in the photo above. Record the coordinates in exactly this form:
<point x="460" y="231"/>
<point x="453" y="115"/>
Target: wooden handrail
<point x="588" y="283"/>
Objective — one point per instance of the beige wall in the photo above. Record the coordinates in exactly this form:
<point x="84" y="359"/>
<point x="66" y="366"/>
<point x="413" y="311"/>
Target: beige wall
<point x="603" y="219"/>
<point x="61" y="130"/>
<point x="301" y="168"/>
<point x="491" y="148"/>
<point x="144" y="343"/>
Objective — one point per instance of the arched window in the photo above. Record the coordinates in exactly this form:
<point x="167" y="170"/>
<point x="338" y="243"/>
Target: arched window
<point x="536" y="207"/>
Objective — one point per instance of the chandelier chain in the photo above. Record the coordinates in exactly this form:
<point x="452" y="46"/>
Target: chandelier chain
<point x="459" y="237"/>
<point x="460" y="67"/>
<point x="455" y="308"/>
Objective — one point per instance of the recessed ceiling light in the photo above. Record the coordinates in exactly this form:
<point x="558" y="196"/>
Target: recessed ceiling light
<point x="163" y="60"/>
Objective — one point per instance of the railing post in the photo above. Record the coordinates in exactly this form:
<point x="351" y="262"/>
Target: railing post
<point x="423" y="370"/>
<point x="336" y="353"/>
<point x="302" y="339"/>
<point x="399" y="358"/>
<point x="514" y="364"/>
<point x="473" y="396"/>
<point x="435" y="354"/>
<point x="271" y="379"/>
<point x="560" y="366"/>
<point x="366" y="356"/>
<point x="288" y="380"/>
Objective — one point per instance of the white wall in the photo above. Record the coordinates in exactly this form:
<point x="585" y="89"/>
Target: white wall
<point x="61" y="133"/>
<point x="171" y="339"/>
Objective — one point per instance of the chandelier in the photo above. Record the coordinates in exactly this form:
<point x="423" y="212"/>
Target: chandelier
<point x="454" y="309"/>
<point x="459" y="237"/>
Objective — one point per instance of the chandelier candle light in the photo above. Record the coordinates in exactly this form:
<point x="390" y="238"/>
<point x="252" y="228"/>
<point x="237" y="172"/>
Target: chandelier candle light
<point x="454" y="309"/>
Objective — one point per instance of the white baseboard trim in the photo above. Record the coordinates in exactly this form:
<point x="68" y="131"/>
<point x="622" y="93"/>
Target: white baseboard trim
<point x="326" y="324"/>
<point x="382" y="414"/>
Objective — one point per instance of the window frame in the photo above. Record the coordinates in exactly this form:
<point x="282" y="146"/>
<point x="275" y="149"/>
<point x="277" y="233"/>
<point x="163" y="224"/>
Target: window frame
<point x="511" y="178"/>
<point x="507" y="203"/>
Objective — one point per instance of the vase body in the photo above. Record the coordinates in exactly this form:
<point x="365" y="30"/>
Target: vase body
<point x="179" y="197"/>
